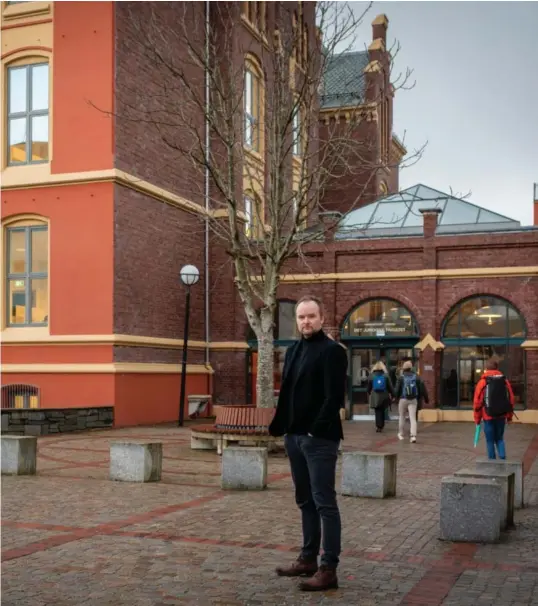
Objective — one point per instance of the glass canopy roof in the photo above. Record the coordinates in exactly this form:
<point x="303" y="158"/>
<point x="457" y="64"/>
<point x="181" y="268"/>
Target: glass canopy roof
<point x="399" y="214"/>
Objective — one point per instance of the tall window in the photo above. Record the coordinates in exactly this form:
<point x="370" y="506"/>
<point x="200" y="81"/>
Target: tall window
<point x="27" y="275"/>
<point x="256" y="13"/>
<point x="28" y="114"/>
<point x="252" y="109"/>
<point x="249" y="212"/>
<point x="476" y="329"/>
<point x="296" y="131"/>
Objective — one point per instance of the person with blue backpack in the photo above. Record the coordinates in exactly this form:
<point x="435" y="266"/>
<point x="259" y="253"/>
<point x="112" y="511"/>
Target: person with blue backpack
<point x="410" y="391"/>
<point x="380" y="392"/>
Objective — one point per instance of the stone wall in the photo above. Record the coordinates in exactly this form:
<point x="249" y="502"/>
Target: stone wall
<point x="42" y="422"/>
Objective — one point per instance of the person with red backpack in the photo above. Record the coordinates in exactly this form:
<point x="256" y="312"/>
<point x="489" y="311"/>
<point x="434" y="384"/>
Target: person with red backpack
<point x="494" y="404"/>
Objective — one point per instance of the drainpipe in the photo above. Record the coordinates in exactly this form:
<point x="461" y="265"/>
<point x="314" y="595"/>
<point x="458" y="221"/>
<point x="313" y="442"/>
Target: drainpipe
<point x="206" y="188"/>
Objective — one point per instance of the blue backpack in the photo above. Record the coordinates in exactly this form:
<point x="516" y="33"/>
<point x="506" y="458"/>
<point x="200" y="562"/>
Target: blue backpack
<point x="379" y="383"/>
<point x="410" y="388"/>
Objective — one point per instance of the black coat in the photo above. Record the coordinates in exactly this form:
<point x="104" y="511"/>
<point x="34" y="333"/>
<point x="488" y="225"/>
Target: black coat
<point x="313" y="391"/>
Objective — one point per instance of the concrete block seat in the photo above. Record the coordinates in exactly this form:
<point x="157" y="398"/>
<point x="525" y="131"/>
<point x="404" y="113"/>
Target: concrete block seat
<point x="369" y="474"/>
<point x="472" y="509"/>
<point x="244" y="468"/>
<point x="234" y="424"/>
<point x="510" y="465"/>
<point x="19" y="455"/>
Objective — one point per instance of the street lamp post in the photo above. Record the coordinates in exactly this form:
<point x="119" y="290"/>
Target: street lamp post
<point x="189" y="276"/>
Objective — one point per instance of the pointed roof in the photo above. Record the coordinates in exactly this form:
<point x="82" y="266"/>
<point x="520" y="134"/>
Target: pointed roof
<point x="344" y="83"/>
<point x="399" y="215"/>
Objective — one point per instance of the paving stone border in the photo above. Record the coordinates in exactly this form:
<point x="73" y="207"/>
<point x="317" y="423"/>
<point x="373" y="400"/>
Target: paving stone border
<point x="45" y="421"/>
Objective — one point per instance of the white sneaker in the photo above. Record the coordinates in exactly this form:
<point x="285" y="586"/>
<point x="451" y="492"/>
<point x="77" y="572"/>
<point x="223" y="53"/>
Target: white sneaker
<point x="413" y="439"/>
<point x="400" y="436"/>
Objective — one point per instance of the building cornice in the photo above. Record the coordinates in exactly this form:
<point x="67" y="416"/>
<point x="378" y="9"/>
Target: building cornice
<point x="106" y="368"/>
<point x="406" y="275"/>
<point x="30" y="337"/>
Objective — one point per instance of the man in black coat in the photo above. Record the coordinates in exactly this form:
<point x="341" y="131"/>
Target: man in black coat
<point x="308" y="415"/>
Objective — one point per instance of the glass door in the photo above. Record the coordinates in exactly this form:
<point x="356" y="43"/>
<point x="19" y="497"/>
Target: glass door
<point x="362" y="361"/>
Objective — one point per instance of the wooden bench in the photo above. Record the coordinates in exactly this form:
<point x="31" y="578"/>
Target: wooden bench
<point x="234" y="424"/>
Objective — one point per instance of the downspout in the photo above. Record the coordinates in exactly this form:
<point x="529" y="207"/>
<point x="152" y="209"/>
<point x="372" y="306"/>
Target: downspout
<point x="206" y="189"/>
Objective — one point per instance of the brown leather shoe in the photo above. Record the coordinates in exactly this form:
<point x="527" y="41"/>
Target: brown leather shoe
<point x="299" y="568"/>
<point x="324" y="579"/>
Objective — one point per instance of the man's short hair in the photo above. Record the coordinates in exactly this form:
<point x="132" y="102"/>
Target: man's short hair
<point x="307" y="299"/>
<point x="492" y="363"/>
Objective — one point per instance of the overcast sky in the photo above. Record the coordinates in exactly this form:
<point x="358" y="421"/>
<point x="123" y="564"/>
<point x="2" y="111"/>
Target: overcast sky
<point x="475" y="100"/>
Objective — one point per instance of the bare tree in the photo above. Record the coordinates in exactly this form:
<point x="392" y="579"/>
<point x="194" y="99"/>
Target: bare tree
<point x="244" y="110"/>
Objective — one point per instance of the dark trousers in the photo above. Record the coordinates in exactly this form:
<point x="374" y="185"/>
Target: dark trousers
<point x="494" y="433"/>
<point x="313" y="469"/>
<point x="380" y="416"/>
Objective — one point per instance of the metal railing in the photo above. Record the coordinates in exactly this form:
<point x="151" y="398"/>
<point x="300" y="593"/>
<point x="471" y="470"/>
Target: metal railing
<point x="19" y="395"/>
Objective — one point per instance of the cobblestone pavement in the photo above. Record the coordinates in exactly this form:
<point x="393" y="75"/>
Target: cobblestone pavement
<point x="70" y="536"/>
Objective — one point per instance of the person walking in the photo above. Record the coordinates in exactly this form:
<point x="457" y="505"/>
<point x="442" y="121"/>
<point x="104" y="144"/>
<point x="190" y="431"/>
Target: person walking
<point x="410" y="390"/>
<point x="308" y="415"/>
<point x="380" y="392"/>
<point x="493" y="403"/>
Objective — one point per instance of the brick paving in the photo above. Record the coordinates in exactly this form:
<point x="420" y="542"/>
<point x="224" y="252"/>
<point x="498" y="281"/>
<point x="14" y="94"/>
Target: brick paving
<point x="70" y="536"/>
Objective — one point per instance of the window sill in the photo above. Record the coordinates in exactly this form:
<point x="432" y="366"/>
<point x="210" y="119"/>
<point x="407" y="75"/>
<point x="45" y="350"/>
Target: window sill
<point x="30" y="9"/>
<point x="25" y="174"/>
<point x="24" y="334"/>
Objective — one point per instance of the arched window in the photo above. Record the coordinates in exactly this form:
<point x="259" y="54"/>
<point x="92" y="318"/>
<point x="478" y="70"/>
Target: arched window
<point x="380" y="318"/>
<point x="20" y="396"/>
<point x="26" y="268"/>
<point x="473" y="331"/>
<point x="28" y="111"/>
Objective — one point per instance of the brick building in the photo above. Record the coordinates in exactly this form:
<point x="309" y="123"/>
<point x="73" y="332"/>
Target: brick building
<point x="97" y="222"/>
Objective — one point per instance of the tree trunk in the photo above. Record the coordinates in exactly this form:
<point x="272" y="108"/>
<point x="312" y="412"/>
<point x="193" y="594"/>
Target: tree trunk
<point x="265" y="379"/>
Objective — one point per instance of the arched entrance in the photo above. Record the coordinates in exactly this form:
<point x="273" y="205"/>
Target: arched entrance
<point x="474" y="330"/>
<point x="377" y="329"/>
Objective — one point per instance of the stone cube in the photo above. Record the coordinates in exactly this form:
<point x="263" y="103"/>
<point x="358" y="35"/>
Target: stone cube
<point x="136" y="461"/>
<point x="244" y="468"/>
<point x="484" y="463"/>
<point x="472" y="510"/>
<point x="19" y="455"/>
<point x="369" y="474"/>
<point x="506" y="479"/>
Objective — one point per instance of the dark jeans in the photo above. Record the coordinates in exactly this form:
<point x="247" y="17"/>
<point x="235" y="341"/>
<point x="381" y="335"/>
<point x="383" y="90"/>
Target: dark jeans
<point x="313" y="469"/>
<point x="380" y="416"/>
<point x="494" y="433"/>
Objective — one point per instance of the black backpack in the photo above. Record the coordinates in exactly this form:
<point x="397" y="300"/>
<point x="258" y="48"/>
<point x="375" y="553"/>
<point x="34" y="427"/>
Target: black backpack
<point x="496" y="397"/>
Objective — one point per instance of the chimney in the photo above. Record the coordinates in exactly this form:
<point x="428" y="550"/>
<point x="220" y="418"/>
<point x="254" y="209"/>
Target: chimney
<point x="379" y="28"/>
<point x="536" y="204"/>
<point x="430" y="217"/>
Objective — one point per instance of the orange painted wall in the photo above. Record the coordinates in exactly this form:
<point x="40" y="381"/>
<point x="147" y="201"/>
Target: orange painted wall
<point x="83" y="80"/>
<point x="57" y="354"/>
<point x="138" y="399"/>
<point x="147" y="399"/>
<point x="68" y="390"/>
<point x="81" y="256"/>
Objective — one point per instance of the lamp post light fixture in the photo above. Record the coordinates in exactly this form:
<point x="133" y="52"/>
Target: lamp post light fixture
<point x="189" y="275"/>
